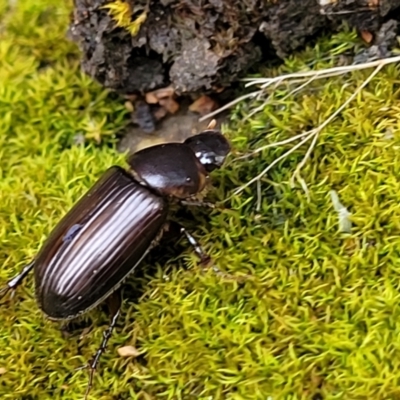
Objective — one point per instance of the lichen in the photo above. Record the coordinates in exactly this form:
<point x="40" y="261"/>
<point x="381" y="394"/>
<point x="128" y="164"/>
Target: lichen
<point x="319" y="316"/>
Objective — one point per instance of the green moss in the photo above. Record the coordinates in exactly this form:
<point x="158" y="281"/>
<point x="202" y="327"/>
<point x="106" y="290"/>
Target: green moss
<point x="122" y="13"/>
<point x="45" y="101"/>
<point x="320" y="314"/>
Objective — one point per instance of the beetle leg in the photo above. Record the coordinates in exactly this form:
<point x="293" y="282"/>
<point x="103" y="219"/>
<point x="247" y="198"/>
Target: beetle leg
<point x="114" y="306"/>
<point x="205" y="259"/>
<point x="197" y="203"/>
<point x="17" y="280"/>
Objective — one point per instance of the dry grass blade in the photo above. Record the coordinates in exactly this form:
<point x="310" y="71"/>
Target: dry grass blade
<point x="275" y="144"/>
<point x="313" y="134"/>
<point x="299" y="77"/>
<point x="230" y="104"/>
<point x="262" y="106"/>
<point x="283" y="156"/>
<point x="296" y="173"/>
<point x="324" y="73"/>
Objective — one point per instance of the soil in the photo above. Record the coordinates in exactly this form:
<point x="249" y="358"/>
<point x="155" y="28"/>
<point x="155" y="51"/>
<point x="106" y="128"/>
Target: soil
<point x="174" y="128"/>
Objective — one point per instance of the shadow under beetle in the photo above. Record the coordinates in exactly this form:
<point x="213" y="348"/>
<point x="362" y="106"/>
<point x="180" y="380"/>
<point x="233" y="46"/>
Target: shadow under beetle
<point x="109" y="231"/>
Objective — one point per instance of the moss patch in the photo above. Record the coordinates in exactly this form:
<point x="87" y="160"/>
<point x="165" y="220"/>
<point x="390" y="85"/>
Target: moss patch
<point x="122" y="13"/>
<point x="319" y="318"/>
<point x="45" y="101"/>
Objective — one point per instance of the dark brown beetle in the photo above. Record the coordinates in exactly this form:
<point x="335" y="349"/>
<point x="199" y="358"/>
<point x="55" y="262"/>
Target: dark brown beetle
<point x="109" y="231"/>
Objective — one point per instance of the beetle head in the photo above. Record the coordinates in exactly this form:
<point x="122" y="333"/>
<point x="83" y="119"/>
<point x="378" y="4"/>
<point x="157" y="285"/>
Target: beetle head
<point x="210" y="147"/>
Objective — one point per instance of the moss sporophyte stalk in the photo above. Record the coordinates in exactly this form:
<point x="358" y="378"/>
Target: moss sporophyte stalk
<point x="319" y="315"/>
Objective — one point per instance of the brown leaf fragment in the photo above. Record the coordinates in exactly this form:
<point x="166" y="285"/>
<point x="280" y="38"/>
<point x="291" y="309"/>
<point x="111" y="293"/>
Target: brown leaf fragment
<point x="203" y="105"/>
<point x="367" y="36"/>
<point x="131" y="97"/>
<point x="151" y="98"/>
<point x="170" y="105"/>
<point x="128" y="351"/>
<point x="218" y="89"/>
<point x="155" y="96"/>
<point x="212" y="124"/>
<point x="160" y="113"/>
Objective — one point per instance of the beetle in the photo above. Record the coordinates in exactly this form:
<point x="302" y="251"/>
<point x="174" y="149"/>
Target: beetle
<point x="108" y="232"/>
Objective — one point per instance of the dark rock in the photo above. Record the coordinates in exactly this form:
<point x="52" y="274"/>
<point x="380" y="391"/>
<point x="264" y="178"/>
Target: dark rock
<point x="199" y="46"/>
<point x="288" y="25"/>
<point x="384" y="41"/>
<point x="143" y="117"/>
<point x="195" y="66"/>
<point x="359" y="14"/>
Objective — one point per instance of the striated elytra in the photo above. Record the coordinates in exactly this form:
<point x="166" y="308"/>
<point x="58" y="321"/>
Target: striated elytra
<point x="109" y="231"/>
<point x="96" y="245"/>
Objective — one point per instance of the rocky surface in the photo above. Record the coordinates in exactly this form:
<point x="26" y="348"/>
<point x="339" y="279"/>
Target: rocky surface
<point x="203" y="46"/>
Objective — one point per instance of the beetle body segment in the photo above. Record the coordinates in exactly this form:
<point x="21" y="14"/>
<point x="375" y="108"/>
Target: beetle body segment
<point x="210" y="147"/>
<point x="174" y="170"/>
<point x="97" y="245"/>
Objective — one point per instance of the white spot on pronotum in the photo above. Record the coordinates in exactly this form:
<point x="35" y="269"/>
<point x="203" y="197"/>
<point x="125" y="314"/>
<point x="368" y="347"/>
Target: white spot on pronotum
<point x="95" y="271"/>
<point x="343" y="213"/>
<point x="79" y="297"/>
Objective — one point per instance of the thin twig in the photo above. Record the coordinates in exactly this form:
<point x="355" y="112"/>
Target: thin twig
<point x="291" y="93"/>
<point x="259" y="197"/>
<point x="298" y="88"/>
<point x="304" y="186"/>
<point x="312" y="134"/>
<point x="296" y="173"/>
<point x="262" y="173"/>
<point x="230" y="104"/>
<point x="299" y="77"/>
<point x="321" y="74"/>
<point x="262" y="106"/>
<point x="275" y="144"/>
<point x="344" y="12"/>
<point x="327" y="71"/>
